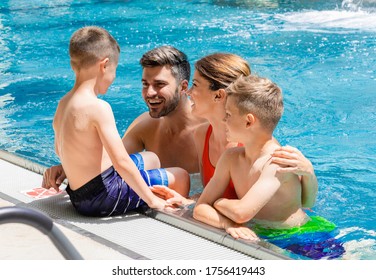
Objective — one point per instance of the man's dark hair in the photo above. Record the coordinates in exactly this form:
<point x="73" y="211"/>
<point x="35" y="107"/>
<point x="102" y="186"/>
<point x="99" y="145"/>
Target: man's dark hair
<point x="168" y="56"/>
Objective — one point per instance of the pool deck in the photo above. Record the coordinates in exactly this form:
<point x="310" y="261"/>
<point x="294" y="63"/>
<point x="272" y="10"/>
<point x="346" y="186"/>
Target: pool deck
<point x="137" y="235"/>
<point x="23" y="242"/>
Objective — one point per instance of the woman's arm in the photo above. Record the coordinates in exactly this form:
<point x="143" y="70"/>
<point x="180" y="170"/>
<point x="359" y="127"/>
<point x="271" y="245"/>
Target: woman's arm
<point x="294" y="161"/>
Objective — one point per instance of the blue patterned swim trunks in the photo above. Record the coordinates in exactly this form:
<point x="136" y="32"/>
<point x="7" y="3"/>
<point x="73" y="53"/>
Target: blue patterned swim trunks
<point x="108" y="195"/>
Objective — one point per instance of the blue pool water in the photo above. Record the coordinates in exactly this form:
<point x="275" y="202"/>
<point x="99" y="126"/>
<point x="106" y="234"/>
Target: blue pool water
<point x="322" y="54"/>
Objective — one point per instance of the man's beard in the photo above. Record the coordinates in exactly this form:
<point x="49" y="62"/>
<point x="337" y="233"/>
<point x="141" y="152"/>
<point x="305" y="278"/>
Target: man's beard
<point x="168" y="108"/>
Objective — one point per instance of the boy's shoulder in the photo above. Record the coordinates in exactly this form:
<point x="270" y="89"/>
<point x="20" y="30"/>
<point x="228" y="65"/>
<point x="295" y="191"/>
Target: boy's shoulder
<point x="91" y="107"/>
<point x="265" y="160"/>
<point x="95" y="104"/>
<point x="268" y="167"/>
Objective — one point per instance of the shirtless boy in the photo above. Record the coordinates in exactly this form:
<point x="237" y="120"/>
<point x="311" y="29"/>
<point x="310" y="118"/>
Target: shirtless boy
<point x="103" y="178"/>
<point x="253" y="109"/>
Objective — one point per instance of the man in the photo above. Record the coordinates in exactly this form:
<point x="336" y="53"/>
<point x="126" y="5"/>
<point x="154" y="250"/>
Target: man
<point x="167" y="129"/>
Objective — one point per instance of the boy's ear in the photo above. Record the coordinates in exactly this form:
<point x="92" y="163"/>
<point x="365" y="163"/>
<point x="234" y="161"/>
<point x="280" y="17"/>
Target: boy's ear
<point x="103" y="64"/>
<point x="250" y="118"/>
<point x="220" y="95"/>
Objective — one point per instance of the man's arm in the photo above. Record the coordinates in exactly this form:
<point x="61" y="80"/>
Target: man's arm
<point x="53" y="177"/>
<point x="204" y="210"/>
<point x="132" y="140"/>
<point x="295" y="162"/>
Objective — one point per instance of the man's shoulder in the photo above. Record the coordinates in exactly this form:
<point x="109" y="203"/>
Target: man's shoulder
<point x="143" y="123"/>
<point x="145" y="120"/>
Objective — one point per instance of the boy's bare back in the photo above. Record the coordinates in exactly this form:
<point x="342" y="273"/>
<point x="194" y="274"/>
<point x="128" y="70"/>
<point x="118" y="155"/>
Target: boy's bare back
<point x="77" y="141"/>
<point x="103" y="178"/>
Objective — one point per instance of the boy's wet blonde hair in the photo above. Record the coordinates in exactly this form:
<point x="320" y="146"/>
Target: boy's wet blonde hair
<point x="221" y="69"/>
<point x="259" y="96"/>
<point x="90" y="44"/>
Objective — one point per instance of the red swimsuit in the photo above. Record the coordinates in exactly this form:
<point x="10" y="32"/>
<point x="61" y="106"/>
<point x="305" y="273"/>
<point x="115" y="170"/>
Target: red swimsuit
<point x="208" y="169"/>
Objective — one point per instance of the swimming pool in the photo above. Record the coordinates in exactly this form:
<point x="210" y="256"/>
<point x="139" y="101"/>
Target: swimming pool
<point x="322" y="54"/>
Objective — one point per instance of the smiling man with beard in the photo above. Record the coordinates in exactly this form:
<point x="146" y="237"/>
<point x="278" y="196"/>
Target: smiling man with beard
<point x="167" y="129"/>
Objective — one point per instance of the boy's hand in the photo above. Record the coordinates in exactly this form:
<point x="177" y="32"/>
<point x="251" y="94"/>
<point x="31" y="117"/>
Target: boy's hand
<point x="158" y="203"/>
<point x="243" y="232"/>
<point x="171" y="196"/>
<point x="293" y="161"/>
<point x="53" y="177"/>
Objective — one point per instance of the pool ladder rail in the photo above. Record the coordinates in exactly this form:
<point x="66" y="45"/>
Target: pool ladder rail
<point x="44" y="224"/>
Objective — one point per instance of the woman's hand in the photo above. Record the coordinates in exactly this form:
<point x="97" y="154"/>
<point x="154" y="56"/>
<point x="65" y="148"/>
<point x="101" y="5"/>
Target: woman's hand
<point x="292" y="160"/>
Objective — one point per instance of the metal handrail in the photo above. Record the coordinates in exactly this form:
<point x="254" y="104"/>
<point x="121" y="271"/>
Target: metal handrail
<point x="44" y="224"/>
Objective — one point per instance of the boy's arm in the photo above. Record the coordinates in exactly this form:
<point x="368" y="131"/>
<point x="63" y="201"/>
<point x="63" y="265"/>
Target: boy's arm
<point x="244" y="209"/>
<point x="104" y="122"/>
<point x="131" y="139"/>
<point x="204" y="210"/>
<point x="295" y="162"/>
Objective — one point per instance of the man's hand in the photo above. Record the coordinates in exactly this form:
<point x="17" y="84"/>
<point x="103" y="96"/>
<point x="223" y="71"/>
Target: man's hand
<point x="53" y="177"/>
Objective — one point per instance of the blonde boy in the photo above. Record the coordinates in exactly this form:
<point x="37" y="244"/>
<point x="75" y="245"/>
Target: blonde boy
<point x="253" y="108"/>
<point x="103" y="179"/>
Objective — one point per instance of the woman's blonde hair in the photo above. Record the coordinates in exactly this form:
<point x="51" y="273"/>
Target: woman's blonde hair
<point x="221" y="69"/>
